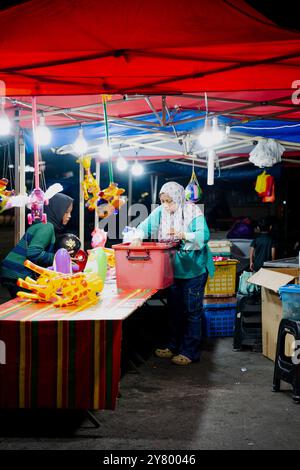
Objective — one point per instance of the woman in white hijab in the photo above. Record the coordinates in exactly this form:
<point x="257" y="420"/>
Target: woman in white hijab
<point x="175" y="219"/>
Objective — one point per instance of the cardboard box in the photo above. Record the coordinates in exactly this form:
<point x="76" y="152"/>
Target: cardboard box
<point x="270" y="281"/>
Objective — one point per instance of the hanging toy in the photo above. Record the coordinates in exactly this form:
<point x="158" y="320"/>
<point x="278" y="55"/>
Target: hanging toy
<point x="5" y="195"/>
<point x="110" y="196"/>
<point x="265" y="187"/>
<point x="89" y="185"/>
<point x="38" y="199"/>
<point x="193" y="191"/>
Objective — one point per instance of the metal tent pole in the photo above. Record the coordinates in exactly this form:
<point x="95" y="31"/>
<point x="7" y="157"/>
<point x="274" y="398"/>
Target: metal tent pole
<point x="129" y="195"/>
<point x="81" y="206"/>
<point x="19" y="181"/>
<point x="98" y="181"/>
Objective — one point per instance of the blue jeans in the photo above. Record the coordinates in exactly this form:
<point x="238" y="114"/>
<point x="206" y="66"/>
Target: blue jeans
<point x="185" y="304"/>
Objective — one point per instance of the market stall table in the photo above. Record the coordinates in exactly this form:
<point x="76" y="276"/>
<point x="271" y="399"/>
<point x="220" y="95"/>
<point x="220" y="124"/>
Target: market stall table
<point x="67" y="358"/>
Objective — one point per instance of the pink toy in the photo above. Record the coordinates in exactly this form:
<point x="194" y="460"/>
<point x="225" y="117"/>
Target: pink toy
<point x="37" y="201"/>
<point x="99" y="238"/>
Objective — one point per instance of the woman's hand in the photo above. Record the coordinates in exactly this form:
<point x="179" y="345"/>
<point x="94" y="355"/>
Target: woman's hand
<point x="136" y="243"/>
<point x="177" y="235"/>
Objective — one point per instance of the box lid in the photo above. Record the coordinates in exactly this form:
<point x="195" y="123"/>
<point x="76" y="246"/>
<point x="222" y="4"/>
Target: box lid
<point x="270" y="279"/>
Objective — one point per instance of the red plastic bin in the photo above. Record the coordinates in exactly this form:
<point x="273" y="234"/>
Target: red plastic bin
<point x="149" y="266"/>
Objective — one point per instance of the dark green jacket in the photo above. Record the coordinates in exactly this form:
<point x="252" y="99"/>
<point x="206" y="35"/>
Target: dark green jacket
<point x="36" y="245"/>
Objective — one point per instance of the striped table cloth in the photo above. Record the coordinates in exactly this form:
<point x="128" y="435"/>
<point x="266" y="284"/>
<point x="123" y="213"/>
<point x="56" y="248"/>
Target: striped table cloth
<point x="64" y="358"/>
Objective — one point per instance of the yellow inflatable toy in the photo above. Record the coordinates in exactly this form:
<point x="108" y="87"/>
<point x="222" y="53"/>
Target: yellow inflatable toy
<point x="60" y="289"/>
<point x="90" y="186"/>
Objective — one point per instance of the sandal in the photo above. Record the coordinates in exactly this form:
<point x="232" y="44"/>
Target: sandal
<point x="163" y="353"/>
<point x="181" y="360"/>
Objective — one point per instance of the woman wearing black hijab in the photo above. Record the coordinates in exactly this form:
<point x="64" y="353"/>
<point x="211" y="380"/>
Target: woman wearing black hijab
<point x="37" y="244"/>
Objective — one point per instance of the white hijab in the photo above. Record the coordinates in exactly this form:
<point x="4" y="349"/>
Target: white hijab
<point x="182" y="217"/>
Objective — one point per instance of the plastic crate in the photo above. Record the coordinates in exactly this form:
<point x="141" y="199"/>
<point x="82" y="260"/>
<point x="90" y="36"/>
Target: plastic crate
<point x="290" y="301"/>
<point x="149" y="266"/>
<point x="220" y="247"/>
<point x="219" y="319"/>
<point x="223" y="284"/>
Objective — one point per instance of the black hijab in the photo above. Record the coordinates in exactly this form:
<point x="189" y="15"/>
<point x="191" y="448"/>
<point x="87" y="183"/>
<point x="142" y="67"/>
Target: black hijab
<point x="56" y="209"/>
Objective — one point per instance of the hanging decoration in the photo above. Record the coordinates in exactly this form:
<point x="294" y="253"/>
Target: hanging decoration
<point x="5" y="195"/>
<point x="111" y="196"/>
<point x="90" y="186"/>
<point x="193" y="191"/>
<point x="265" y="187"/>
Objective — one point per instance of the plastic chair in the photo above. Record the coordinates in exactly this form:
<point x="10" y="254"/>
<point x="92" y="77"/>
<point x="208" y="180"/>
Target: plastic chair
<point x="287" y="368"/>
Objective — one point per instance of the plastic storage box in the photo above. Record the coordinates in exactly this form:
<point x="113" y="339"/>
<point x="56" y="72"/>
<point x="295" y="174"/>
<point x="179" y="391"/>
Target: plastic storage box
<point x="220" y="247"/>
<point x="224" y="281"/>
<point x="147" y="267"/>
<point x="290" y="296"/>
<point x="219" y="318"/>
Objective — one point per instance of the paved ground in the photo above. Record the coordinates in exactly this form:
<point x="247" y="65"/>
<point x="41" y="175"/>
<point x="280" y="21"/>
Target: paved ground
<point x="208" y="405"/>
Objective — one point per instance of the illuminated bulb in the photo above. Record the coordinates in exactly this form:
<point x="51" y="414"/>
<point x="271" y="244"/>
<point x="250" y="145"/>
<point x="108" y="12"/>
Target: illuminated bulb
<point x="4" y="124"/>
<point x="137" y="169"/>
<point x="80" y="145"/>
<point x="105" y="151"/>
<point x="122" y="164"/>
<point x="43" y="134"/>
<point x="218" y="135"/>
<point x="211" y="136"/>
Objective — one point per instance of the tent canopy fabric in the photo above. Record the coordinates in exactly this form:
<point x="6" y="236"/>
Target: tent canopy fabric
<point x="68" y="47"/>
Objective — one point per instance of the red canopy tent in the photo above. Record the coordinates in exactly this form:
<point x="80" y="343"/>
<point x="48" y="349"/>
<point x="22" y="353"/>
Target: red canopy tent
<point x="62" y="47"/>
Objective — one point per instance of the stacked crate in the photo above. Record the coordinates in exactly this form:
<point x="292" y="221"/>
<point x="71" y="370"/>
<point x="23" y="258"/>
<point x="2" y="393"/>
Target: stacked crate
<point x="220" y="291"/>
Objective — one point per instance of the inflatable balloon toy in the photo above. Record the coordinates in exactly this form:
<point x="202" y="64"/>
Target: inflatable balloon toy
<point x="38" y="199"/>
<point x="62" y="263"/>
<point x="80" y="259"/>
<point x="97" y="263"/>
<point x="110" y="196"/>
<point x="89" y="185"/>
<point x="104" y="209"/>
<point x="4" y="195"/>
<point x="70" y="242"/>
<point x="63" y="290"/>
<point x="99" y="238"/>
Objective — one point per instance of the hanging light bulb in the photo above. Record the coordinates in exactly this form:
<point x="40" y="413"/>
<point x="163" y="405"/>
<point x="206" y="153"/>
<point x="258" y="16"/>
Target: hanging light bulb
<point x="105" y="150"/>
<point x="80" y="145"/>
<point x="211" y="135"/>
<point x="122" y="163"/>
<point x="43" y="133"/>
<point x="218" y="135"/>
<point x="137" y="169"/>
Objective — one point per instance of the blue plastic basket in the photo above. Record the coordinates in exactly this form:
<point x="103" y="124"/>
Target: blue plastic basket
<point x="219" y="319"/>
<point x="290" y="301"/>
